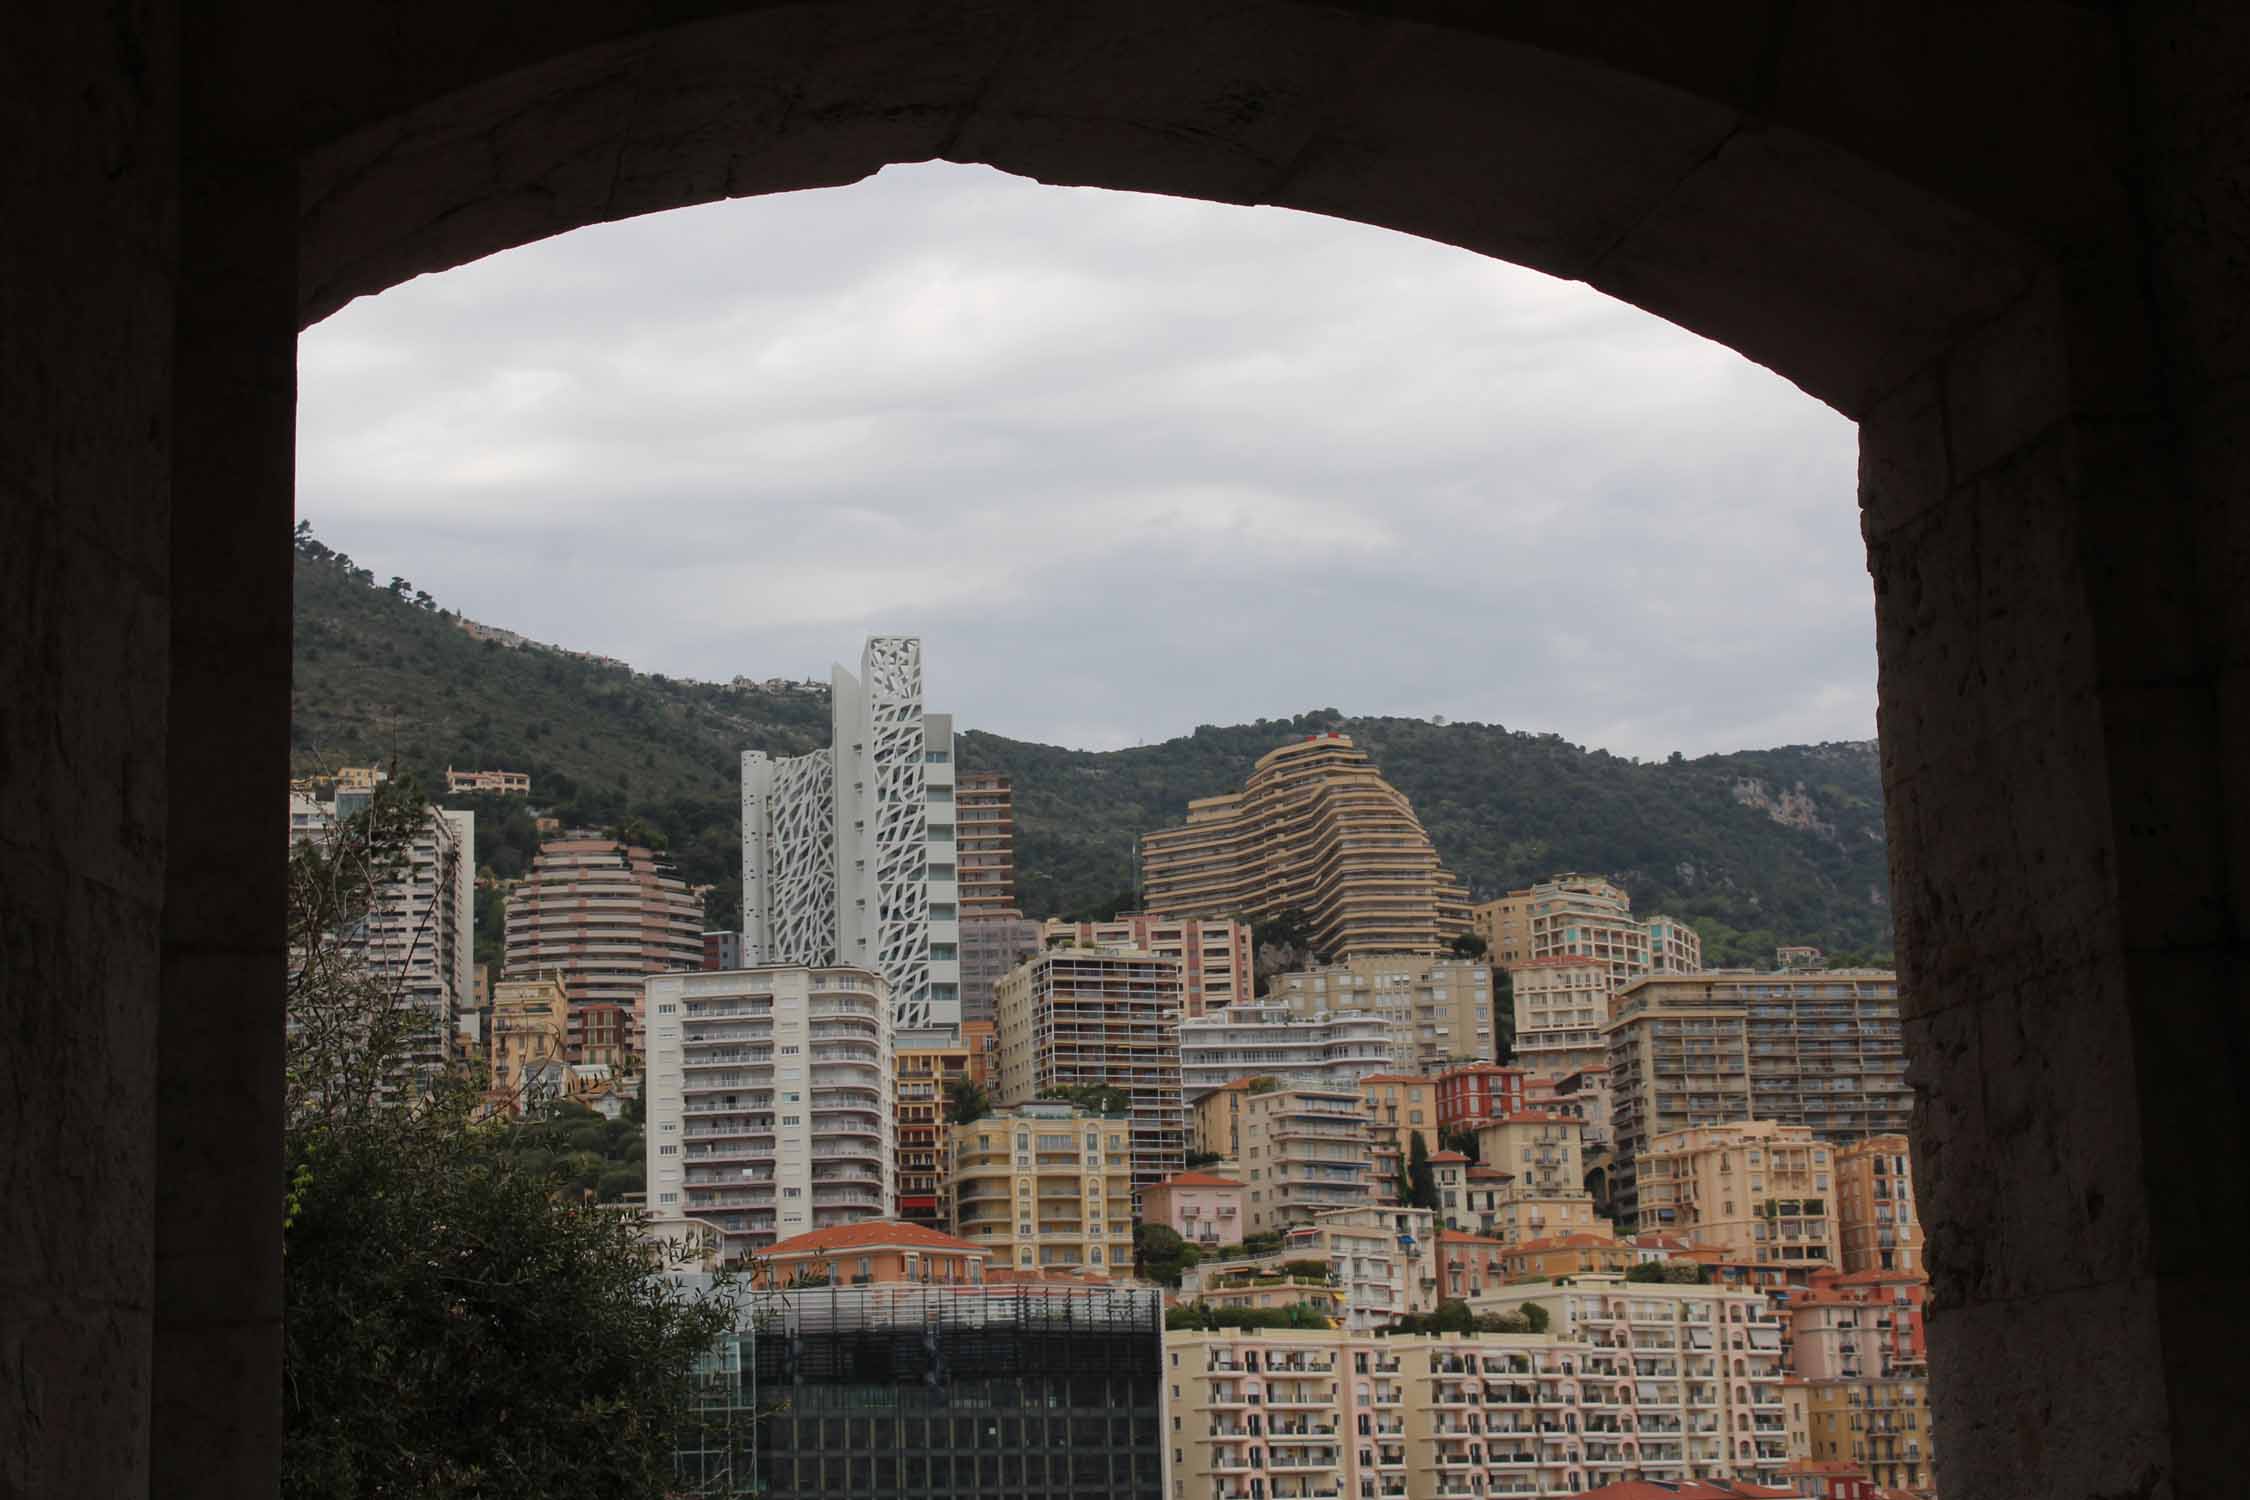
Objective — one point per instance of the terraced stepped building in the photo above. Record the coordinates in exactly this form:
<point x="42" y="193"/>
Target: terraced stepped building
<point x="1316" y="829"/>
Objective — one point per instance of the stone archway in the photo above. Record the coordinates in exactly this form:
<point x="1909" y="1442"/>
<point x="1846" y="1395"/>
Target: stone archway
<point x="2007" y="242"/>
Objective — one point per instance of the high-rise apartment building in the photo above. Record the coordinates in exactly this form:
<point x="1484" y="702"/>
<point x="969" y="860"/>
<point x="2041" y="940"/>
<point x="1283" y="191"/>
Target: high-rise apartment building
<point x="1877" y="1228"/>
<point x="1440" y="1009"/>
<point x="1760" y="1191"/>
<point x="1304" y="1150"/>
<point x="926" y="1065"/>
<point x="1215" y="954"/>
<point x="419" y="935"/>
<point x="1585" y="916"/>
<point x="985" y="816"/>
<point x="1632" y="1383"/>
<point x="1077" y="1017"/>
<point x="770" y="1104"/>
<point x="1256" y="1038"/>
<point x="605" y="915"/>
<point x="1822" y="1050"/>
<point x="851" y="854"/>
<point x="1044" y="1187"/>
<point x="992" y="943"/>
<point x="1317" y="830"/>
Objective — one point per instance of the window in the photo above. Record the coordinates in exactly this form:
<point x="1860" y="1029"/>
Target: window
<point x="667" y="1151"/>
<point x="667" y="1197"/>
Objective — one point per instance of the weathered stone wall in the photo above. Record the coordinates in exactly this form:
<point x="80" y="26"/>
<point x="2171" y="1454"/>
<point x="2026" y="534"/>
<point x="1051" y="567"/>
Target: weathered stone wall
<point x="88" y="109"/>
<point x="2012" y="239"/>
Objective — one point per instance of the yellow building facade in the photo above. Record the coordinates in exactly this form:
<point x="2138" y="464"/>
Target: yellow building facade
<point x="1044" y="1186"/>
<point x="1761" y="1192"/>
<point x="1877" y="1227"/>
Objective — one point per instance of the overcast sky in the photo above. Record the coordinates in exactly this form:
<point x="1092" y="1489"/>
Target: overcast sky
<point x="1127" y="464"/>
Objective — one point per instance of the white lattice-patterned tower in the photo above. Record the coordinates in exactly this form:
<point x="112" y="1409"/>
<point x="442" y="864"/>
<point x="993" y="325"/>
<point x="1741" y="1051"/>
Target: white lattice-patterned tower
<point x="848" y="853"/>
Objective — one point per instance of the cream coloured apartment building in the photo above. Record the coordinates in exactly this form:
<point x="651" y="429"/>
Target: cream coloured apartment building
<point x="1631" y="1383"/>
<point x="1214" y="954"/>
<point x="1044" y="1186"/>
<point x="1760" y="1191"/>
<point x="1076" y="1017"/>
<point x="1545" y="1195"/>
<point x="1315" y="829"/>
<point x="1561" y="1006"/>
<point x="1585" y="916"/>
<point x="606" y="915"/>
<point x="1822" y="1049"/>
<point x="1439" y="1009"/>
<point x="1262" y="1038"/>
<point x="769" y="1095"/>
<point x="1877" y="1227"/>
<point x="1304" y="1150"/>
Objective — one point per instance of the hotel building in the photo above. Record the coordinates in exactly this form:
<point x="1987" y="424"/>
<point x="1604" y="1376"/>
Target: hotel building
<point x="1318" y="830"/>
<point x="851" y="854"/>
<point x="1214" y="953"/>
<point x="1074" y="1017"/>
<point x="1044" y="1186"/>
<point x="770" y="1104"/>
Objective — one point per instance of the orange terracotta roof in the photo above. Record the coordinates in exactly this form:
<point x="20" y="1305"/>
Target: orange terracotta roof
<point x="1447" y="1156"/>
<point x="1864" y="1277"/>
<point x="1471" y="1069"/>
<point x="1462" y="1237"/>
<point x="1394" y="1078"/>
<point x="872" y="1234"/>
<point x="1577" y="1241"/>
<point x="1495" y="1172"/>
<point x="1198" y="1179"/>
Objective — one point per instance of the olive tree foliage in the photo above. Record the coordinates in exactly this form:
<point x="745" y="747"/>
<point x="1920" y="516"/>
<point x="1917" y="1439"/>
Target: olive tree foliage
<point x="454" y="1326"/>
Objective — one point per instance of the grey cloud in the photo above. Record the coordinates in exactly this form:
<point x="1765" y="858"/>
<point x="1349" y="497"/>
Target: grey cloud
<point x="1128" y="463"/>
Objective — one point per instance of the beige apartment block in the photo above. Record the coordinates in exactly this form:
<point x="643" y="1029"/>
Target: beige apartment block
<point x="1380" y="1265"/>
<point x="1821" y="1049"/>
<point x="1077" y="1017"/>
<point x="1877" y="1226"/>
<point x="1215" y="954"/>
<point x="984" y="842"/>
<point x="770" y="1109"/>
<point x="527" y="1048"/>
<point x="1626" y="1386"/>
<point x="1561" y="1006"/>
<point x="1203" y="1208"/>
<point x="1761" y="1192"/>
<point x="607" y="915"/>
<point x="1316" y="829"/>
<point x="1397" y="1105"/>
<point x="925" y="1066"/>
<point x="1440" y="1010"/>
<point x="1044" y="1186"/>
<point x="1546" y="1194"/>
<point x="1304" y="1150"/>
<point x="1585" y="916"/>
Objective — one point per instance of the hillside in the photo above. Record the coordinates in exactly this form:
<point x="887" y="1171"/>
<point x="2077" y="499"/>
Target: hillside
<point x="1756" y="847"/>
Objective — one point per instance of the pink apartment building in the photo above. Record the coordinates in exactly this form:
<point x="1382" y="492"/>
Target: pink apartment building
<point x="1201" y="1207"/>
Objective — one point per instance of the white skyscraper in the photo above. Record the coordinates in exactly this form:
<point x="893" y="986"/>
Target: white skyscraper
<point x="848" y="854"/>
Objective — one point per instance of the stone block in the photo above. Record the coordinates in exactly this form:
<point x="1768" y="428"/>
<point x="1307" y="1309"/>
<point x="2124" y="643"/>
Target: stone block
<point x="1903" y="466"/>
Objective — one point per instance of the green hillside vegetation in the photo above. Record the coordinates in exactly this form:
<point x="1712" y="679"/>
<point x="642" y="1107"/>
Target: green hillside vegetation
<point x="386" y="675"/>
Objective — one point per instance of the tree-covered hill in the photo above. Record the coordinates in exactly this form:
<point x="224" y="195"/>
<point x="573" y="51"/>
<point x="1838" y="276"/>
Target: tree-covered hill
<point x="1757" y="848"/>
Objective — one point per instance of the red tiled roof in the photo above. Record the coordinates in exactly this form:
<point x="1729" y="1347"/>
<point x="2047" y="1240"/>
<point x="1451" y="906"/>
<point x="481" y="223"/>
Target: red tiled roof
<point x="1578" y="1241"/>
<point x="1198" y="1179"/>
<point x="1447" y="1156"/>
<point x="1476" y="1172"/>
<point x="872" y="1234"/>
<point x="1462" y="1237"/>
<point x="1395" y="1078"/>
